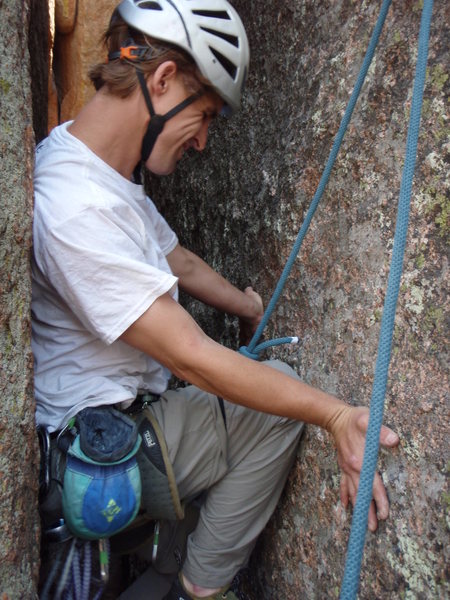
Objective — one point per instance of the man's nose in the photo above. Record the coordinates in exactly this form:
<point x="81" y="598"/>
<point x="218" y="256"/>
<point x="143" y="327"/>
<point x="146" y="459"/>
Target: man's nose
<point x="201" y="138"/>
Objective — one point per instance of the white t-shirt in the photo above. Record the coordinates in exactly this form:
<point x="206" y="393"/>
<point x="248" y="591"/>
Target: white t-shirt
<point x="100" y="249"/>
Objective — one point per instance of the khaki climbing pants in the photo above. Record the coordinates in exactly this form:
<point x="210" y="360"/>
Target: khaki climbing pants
<point x="242" y="465"/>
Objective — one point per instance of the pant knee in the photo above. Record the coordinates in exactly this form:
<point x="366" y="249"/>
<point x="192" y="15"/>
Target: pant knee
<point x="282" y="366"/>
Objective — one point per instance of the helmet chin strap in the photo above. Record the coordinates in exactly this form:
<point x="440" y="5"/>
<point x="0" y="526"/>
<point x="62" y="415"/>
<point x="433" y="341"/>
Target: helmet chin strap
<point x="156" y="124"/>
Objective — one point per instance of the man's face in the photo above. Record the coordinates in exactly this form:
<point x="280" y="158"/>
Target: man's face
<point x="187" y="129"/>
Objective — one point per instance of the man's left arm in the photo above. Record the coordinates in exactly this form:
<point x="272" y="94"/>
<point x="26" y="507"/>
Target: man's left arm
<point x="199" y="280"/>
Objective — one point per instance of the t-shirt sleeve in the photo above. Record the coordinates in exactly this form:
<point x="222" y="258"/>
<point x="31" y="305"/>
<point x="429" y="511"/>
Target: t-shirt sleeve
<point x="106" y="269"/>
<point x="166" y="237"/>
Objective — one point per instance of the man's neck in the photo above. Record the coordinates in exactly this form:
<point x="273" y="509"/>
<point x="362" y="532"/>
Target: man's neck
<point x="113" y="129"/>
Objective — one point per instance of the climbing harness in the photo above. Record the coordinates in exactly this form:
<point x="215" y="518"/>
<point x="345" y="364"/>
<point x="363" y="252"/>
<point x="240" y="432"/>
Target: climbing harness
<point x="93" y="473"/>
<point x="89" y="489"/>
<point x="360" y="514"/>
<point x="160" y="498"/>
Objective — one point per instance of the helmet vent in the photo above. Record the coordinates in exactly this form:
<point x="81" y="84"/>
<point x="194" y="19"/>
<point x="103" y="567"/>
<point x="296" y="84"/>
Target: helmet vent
<point x="150" y="5"/>
<point x="231" y="39"/>
<point x="215" y="14"/>
<point x="226" y="64"/>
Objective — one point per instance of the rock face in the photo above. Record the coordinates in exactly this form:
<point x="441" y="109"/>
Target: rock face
<point x="19" y="531"/>
<point x="240" y="205"/>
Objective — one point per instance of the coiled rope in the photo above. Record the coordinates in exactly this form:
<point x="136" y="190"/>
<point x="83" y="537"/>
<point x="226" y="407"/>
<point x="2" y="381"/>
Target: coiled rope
<point x="71" y="573"/>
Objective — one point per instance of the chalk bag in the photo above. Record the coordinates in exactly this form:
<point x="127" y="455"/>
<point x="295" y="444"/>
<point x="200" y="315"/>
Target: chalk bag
<point x="102" y="484"/>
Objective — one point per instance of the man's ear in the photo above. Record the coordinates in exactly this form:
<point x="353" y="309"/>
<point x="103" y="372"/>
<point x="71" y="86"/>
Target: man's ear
<point x="160" y="80"/>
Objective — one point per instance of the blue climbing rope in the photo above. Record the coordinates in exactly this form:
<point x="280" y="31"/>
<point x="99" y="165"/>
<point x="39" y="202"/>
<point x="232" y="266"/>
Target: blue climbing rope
<point x="253" y="350"/>
<point x="350" y="582"/>
<point x="360" y="515"/>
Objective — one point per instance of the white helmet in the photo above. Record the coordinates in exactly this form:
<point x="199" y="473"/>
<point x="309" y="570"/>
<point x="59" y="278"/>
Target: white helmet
<point x="210" y="31"/>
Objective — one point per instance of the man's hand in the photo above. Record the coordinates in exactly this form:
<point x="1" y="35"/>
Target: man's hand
<point x="248" y="325"/>
<point x="349" y="427"/>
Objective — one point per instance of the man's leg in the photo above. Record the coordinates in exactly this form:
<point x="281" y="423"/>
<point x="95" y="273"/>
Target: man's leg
<point x="243" y="468"/>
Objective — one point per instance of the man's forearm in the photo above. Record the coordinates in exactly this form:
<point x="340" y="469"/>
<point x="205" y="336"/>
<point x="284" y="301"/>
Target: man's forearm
<point x="200" y="281"/>
<point x="168" y="334"/>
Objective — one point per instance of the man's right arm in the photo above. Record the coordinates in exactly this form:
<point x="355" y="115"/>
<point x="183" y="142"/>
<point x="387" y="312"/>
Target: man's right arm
<point x="168" y="334"/>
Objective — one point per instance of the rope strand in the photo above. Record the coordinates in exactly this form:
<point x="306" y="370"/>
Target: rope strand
<point x="325" y="175"/>
<point x="364" y="497"/>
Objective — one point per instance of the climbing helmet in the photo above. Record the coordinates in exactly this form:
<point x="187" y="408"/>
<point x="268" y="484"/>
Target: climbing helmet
<point x="210" y="31"/>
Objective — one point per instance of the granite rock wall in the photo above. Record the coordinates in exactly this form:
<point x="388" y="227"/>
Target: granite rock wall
<point x="240" y="205"/>
<point x="19" y="530"/>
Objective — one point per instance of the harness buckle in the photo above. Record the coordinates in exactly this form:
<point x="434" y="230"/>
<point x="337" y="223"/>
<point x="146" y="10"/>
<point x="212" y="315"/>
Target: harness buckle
<point x="142" y="402"/>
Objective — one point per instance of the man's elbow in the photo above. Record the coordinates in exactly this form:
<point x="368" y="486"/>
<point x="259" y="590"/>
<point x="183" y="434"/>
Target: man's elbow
<point x="191" y="359"/>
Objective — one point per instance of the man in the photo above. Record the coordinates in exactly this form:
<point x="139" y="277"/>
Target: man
<point x="106" y="322"/>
